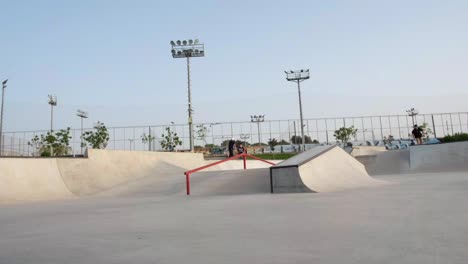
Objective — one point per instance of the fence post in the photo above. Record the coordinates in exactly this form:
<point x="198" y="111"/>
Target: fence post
<point x="149" y="139"/>
<point x="451" y="122"/>
<point x="460" y="122"/>
<point x="433" y="126"/>
<point x="381" y="128"/>
<point x="326" y="129"/>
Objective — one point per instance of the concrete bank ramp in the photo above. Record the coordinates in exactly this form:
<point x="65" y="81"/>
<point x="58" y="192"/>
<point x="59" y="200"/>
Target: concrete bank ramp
<point x="38" y="179"/>
<point x="321" y="169"/>
<point x="387" y="162"/>
<point x="366" y="150"/>
<point x="119" y="173"/>
<point x="103" y="169"/>
<point x="31" y="180"/>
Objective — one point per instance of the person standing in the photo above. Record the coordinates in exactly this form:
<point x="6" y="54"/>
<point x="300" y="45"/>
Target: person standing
<point x="231" y="145"/>
<point x="417" y="134"/>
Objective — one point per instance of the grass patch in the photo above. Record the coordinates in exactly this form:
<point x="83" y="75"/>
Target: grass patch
<point x="274" y="156"/>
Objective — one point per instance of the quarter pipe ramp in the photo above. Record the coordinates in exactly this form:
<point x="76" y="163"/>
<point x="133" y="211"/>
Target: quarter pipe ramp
<point x="321" y="169"/>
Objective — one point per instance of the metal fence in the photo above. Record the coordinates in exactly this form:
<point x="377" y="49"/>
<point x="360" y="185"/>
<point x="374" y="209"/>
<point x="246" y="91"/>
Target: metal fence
<point x="320" y="129"/>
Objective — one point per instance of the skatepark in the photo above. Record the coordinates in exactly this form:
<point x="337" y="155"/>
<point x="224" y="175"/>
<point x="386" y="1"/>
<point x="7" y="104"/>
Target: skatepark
<point x="227" y="132"/>
<point x="122" y="206"/>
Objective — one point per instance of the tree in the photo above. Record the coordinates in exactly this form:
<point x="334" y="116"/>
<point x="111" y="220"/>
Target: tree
<point x="225" y="143"/>
<point x="147" y="139"/>
<point x="345" y="133"/>
<point x="272" y="142"/>
<point x="53" y="144"/>
<point x="197" y="148"/>
<point x="283" y="142"/>
<point x="202" y="133"/>
<point x="210" y="146"/>
<point x="98" y="138"/>
<point x="298" y="140"/>
<point x="170" y="140"/>
<point x="427" y="132"/>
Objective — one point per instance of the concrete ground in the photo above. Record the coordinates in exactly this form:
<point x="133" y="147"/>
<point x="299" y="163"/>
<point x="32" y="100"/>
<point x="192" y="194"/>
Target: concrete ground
<point x="418" y="218"/>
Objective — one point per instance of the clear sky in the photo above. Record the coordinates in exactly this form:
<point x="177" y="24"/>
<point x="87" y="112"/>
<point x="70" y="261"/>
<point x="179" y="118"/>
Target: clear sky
<point x="112" y="58"/>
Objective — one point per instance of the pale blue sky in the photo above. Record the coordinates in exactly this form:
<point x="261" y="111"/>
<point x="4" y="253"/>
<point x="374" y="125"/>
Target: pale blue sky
<point x="112" y="58"/>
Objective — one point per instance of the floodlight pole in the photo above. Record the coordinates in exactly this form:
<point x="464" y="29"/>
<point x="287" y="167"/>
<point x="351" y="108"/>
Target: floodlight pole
<point x="1" y="116"/>
<point x="83" y="115"/>
<point x="187" y="49"/>
<point x="413" y="113"/>
<point x="299" y="76"/>
<point x="190" y="121"/>
<point x="300" y="111"/>
<point x="258" y="119"/>
<point x="51" y="118"/>
<point x="81" y="141"/>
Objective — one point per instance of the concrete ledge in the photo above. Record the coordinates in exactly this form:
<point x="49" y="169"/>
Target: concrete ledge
<point x="439" y="157"/>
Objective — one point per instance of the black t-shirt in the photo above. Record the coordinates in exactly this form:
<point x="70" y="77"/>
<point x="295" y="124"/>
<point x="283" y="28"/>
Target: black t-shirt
<point x="417" y="132"/>
<point x="240" y="150"/>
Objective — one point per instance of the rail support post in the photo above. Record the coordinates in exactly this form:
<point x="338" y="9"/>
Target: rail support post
<point x="245" y="163"/>
<point x="187" y="182"/>
<point x="243" y="155"/>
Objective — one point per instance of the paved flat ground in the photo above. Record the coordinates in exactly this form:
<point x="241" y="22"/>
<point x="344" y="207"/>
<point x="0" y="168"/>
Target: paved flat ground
<point x="420" y="218"/>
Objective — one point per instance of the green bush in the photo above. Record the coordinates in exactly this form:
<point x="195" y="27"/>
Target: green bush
<point x="55" y="143"/>
<point x="455" y="137"/>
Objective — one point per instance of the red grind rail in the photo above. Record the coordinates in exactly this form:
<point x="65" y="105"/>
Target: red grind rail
<point x="243" y="155"/>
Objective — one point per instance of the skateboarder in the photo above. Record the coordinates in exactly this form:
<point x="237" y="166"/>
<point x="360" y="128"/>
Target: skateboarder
<point x="240" y="149"/>
<point x="417" y="134"/>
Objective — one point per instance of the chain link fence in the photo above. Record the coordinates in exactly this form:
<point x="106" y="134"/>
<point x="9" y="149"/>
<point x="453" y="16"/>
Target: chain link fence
<point x="369" y="128"/>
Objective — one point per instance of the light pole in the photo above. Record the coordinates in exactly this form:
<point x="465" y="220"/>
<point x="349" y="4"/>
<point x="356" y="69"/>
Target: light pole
<point x="52" y="102"/>
<point x="4" y="85"/>
<point x="299" y="76"/>
<point x="212" y="133"/>
<point x="258" y="119"/>
<point x="82" y="115"/>
<point x="413" y="113"/>
<point x="244" y="138"/>
<point x="187" y="49"/>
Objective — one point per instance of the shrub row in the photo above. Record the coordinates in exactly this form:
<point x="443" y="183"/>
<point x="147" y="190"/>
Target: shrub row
<point x="455" y="137"/>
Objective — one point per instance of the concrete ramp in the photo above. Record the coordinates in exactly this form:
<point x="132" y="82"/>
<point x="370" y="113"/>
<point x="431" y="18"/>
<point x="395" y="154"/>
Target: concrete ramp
<point x="38" y="179"/>
<point x="122" y="173"/>
<point x="31" y="180"/>
<point x="366" y="150"/>
<point x="321" y="169"/>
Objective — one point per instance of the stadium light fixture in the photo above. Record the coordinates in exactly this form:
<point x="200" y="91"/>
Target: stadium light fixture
<point x="52" y="102"/>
